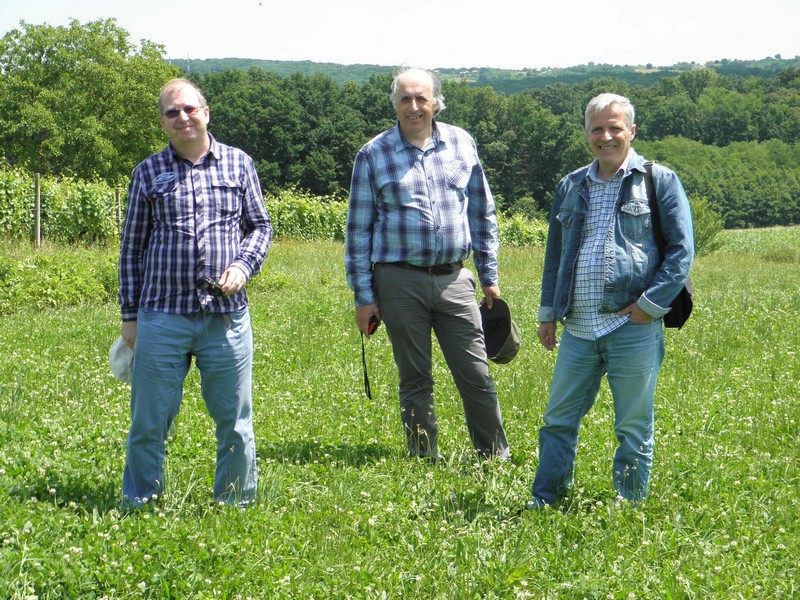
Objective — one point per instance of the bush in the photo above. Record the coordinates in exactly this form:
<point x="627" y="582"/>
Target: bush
<point x="303" y="216"/>
<point x="78" y="211"/>
<point x="517" y="230"/>
<point x="707" y="225"/>
<point x="72" y="211"/>
<point x="16" y="204"/>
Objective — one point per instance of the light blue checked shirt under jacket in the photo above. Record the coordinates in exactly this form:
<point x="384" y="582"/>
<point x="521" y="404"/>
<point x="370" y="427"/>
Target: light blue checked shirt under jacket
<point x="187" y="222"/>
<point x="424" y="207"/>
<point x="584" y="320"/>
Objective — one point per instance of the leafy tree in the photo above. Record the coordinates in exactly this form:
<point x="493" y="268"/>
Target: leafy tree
<point x="726" y="116"/>
<point x="254" y="111"/>
<point x="541" y="148"/>
<point x="301" y="131"/>
<point x="79" y="100"/>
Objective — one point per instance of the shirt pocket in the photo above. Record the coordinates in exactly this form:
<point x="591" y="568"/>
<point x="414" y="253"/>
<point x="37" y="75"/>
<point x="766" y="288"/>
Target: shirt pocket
<point x="634" y="219"/>
<point x="457" y="174"/>
<point x="165" y="201"/>
<point x="227" y="196"/>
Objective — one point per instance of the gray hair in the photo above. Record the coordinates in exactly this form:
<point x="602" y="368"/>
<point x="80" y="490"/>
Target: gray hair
<point x="436" y="86"/>
<point x="174" y="84"/>
<point x="603" y="101"/>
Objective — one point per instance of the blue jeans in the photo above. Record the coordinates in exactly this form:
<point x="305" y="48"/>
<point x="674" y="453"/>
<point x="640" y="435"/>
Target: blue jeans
<point x="223" y="349"/>
<point x="631" y="358"/>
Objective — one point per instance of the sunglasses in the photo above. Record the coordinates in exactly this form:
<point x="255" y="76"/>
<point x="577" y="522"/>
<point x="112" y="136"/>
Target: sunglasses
<point x="190" y="111"/>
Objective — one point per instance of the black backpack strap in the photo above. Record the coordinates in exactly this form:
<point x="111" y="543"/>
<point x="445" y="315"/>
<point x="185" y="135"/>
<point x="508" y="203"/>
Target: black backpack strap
<point x="652" y="200"/>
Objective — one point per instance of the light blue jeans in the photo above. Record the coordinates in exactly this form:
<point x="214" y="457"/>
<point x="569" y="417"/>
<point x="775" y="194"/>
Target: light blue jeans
<point x="223" y="349"/>
<point x="630" y="357"/>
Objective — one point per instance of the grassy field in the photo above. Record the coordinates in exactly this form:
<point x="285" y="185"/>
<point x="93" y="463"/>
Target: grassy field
<point x="342" y="513"/>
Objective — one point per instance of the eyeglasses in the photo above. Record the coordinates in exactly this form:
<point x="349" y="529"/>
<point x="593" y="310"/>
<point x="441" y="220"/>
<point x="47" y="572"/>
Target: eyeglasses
<point x="190" y="111"/>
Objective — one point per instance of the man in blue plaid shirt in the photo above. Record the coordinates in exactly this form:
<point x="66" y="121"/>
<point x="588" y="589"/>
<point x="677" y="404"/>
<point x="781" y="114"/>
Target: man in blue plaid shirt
<point x="195" y="232"/>
<point x="419" y="205"/>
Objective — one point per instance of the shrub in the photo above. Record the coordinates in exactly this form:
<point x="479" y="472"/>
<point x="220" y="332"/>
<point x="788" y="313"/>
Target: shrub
<point x="517" y="230"/>
<point x="16" y="204"/>
<point x="303" y="216"/>
<point x="707" y="225"/>
<point x="72" y="211"/>
<point x="78" y="211"/>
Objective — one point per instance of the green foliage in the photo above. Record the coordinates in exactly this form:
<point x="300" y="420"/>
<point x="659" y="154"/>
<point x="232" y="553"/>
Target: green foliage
<point x="55" y="277"/>
<point x="299" y="215"/>
<point x="301" y="131"/>
<point x="783" y="255"/>
<point x="520" y="231"/>
<point x="779" y="244"/>
<point x="77" y="211"/>
<point x="343" y="513"/>
<point x="79" y="100"/>
<point x="341" y="74"/>
<point x="72" y="210"/>
<point x="17" y="193"/>
<point x="750" y="184"/>
<point x="707" y="225"/>
<point x="506" y="81"/>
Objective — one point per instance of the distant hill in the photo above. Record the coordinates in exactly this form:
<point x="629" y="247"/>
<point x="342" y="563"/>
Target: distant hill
<point x="503" y="80"/>
<point x="339" y="73"/>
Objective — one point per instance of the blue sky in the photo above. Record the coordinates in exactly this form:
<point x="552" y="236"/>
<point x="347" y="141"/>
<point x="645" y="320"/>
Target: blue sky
<point x="442" y="33"/>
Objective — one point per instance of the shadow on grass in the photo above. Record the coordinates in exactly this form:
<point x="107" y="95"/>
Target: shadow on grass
<point x="308" y="452"/>
<point x="84" y="493"/>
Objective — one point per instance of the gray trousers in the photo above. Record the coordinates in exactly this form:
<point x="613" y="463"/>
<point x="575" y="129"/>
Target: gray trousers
<point x="414" y="303"/>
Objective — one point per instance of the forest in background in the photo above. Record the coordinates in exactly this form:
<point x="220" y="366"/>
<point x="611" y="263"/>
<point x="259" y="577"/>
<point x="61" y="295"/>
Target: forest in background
<point x="502" y="80"/>
<point x="80" y="101"/>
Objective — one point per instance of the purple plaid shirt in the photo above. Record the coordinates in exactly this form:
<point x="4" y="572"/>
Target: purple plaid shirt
<point x="187" y="222"/>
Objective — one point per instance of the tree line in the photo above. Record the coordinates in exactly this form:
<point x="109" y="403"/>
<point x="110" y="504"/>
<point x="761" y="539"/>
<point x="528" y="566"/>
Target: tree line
<point x="80" y="101"/>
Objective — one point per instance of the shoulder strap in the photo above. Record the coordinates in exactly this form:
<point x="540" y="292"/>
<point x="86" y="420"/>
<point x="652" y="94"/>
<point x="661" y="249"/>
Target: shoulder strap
<point x="652" y="200"/>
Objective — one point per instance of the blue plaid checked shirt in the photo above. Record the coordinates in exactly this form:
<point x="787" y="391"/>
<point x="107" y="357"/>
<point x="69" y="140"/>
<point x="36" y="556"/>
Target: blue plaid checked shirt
<point x="187" y="222"/>
<point x="584" y="320"/>
<point x="424" y="207"/>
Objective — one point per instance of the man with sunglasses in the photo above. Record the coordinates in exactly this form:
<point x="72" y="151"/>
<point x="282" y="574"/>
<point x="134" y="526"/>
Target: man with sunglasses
<point x="195" y="232"/>
<point x="419" y="205"/>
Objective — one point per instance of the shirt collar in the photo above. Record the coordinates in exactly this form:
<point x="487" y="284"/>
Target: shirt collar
<point x="214" y="149"/>
<point x="592" y="172"/>
<point x="401" y="143"/>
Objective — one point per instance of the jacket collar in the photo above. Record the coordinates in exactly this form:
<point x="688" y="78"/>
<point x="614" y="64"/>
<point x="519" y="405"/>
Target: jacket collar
<point x="635" y="163"/>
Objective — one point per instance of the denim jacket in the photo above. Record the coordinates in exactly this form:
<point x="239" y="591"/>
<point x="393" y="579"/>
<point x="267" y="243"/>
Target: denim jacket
<point x="638" y="274"/>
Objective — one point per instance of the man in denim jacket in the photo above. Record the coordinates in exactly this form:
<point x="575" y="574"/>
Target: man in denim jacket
<point x="605" y="282"/>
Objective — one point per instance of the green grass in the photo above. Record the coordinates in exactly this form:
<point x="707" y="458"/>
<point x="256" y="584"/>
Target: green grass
<point x="342" y="513"/>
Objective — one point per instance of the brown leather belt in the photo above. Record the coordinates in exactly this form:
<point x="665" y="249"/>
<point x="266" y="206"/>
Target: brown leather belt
<point x="445" y="269"/>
